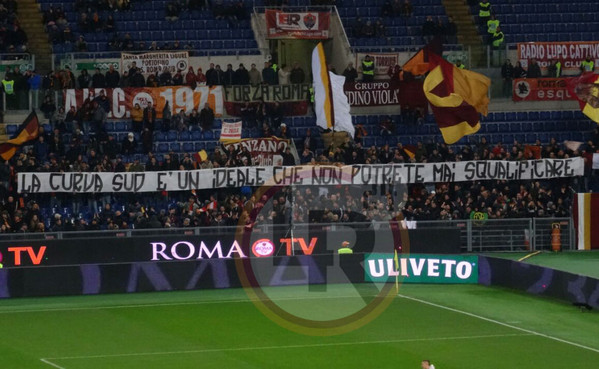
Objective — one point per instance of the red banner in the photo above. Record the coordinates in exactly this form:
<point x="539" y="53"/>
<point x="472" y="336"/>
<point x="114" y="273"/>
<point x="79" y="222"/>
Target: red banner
<point x="311" y="25"/>
<point x="571" y="54"/>
<point x="264" y="151"/>
<point x="407" y="93"/>
<point x="121" y="100"/>
<point x="541" y="89"/>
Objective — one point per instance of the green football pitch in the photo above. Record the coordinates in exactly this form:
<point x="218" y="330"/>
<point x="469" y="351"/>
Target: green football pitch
<point x="459" y="326"/>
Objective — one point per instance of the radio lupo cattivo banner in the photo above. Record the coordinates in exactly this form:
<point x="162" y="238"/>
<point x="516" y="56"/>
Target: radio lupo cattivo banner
<point x="571" y="54"/>
<point x="122" y="100"/>
<point x="299" y="175"/>
<point x="156" y="62"/>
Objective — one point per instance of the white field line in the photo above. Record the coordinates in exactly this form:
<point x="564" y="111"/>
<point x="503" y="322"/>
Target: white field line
<point x="531" y="332"/>
<point x="51" y="363"/>
<point x="248" y="300"/>
<point x="254" y="348"/>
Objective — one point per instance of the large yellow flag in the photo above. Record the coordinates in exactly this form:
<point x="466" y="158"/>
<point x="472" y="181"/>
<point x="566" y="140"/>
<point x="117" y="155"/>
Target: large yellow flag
<point x="457" y="97"/>
<point x="586" y="90"/>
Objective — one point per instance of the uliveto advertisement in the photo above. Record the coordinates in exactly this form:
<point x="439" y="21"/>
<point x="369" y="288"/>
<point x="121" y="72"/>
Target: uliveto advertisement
<point x="541" y="89"/>
<point x="421" y="268"/>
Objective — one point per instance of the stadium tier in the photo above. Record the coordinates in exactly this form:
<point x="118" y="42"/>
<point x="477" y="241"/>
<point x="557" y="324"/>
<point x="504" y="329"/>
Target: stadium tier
<point x="142" y="23"/>
<point x="541" y="21"/>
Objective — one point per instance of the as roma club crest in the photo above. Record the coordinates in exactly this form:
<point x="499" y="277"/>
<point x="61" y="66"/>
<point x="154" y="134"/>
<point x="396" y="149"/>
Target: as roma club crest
<point x="310" y="20"/>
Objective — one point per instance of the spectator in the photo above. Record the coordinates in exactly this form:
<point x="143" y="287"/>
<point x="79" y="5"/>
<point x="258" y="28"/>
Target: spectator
<point x="255" y="76"/>
<point x="407" y="9"/>
<point x="112" y="77"/>
<point x="178" y="79"/>
<point x="429" y="29"/>
<point x="211" y="78"/>
<point x="200" y="77"/>
<point x="269" y="75"/>
<point x="98" y="80"/>
<point x="451" y="31"/>
<point x="242" y="76"/>
<point x="555" y="69"/>
<point x="297" y="74"/>
<point x="229" y="75"/>
<point x="190" y="78"/>
<point x="519" y="71"/>
<point x="534" y="70"/>
<point x="206" y="118"/>
<point x="172" y="12"/>
<point x="284" y="74"/>
<point x="166" y="117"/>
<point x="149" y="117"/>
<point x="368" y="69"/>
<point x="137" y="117"/>
<point x="350" y="73"/>
<point x="128" y="145"/>
<point x="358" y="27"/>
<point x="507" y="73"/>
<point x="368" y="29"/>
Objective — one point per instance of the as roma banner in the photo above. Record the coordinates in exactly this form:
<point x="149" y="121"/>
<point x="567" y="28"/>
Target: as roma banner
<point x="541" y="89"/>
<point x="123" y="99"/>
<point x="156" y="62"/>
<point x="382" y="62"/>
<point x="293" y="98"/>
<point x="264" y="151"/>
<point x="571" y="54"/>
<point x="306" y="175"/>
<point x="311" y="25"/>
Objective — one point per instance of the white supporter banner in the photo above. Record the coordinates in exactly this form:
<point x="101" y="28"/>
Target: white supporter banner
<point x="153" y="62"/>
<point x="300" y="175"/>
<point x="595" y="161"/>
<point x="230" y="131"/>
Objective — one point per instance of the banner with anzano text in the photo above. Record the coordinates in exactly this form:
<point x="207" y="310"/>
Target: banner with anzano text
<point x="421" y="268"/>
<point x="122" y="100"/>
<point x="571" y="54"/>
<point x="306" y="175"/>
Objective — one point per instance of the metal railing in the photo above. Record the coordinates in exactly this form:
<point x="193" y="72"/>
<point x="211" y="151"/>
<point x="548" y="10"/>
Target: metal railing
<point x="526" y="234"/>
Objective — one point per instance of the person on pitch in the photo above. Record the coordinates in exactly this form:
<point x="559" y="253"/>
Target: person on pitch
<point x="426" y="364"/>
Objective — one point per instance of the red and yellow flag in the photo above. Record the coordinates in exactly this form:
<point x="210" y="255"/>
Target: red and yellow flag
<point x="29" y="130"/>
<point x="586" y="90"/>
<point x="457" y="97"/>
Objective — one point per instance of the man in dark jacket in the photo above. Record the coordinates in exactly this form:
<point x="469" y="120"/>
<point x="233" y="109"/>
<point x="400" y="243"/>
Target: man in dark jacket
<point x="242" y="76"/>
<point x="98" y="80"/>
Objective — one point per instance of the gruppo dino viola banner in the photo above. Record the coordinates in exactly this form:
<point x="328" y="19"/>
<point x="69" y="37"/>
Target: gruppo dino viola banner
<point x="122" y="100"/>
<point x="306" y="175"/>
<point x="300" y="25"/>
<point x="377" y="93"/>
<point x="541" y="89"/>
<point x="571" y="54"/>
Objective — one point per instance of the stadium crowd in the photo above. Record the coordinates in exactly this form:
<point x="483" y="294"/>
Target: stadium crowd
<point x="13" y="39"/>
<point x="218" y="207"/>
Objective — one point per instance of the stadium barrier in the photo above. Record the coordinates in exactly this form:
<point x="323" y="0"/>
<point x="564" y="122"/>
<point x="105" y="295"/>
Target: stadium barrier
<point x="539" y="280"/>
<point x="223" y="244"/>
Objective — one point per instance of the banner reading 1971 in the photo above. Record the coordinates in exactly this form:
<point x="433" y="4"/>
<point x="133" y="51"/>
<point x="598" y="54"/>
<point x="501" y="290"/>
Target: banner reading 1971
<point x="306" y="175"/>
<point x="122" y="100"/>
